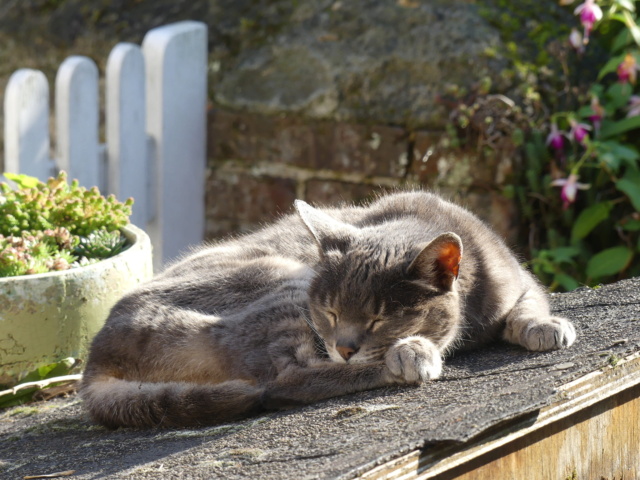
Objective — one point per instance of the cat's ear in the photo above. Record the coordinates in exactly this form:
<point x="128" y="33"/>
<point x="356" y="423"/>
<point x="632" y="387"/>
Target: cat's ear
<point x="439" y="261"/>
<point x="331" y="234"/>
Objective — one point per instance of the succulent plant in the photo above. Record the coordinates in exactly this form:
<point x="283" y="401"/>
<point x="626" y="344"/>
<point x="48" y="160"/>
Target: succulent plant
<point x="56" y="226"/>
<point x="100" y="244"/>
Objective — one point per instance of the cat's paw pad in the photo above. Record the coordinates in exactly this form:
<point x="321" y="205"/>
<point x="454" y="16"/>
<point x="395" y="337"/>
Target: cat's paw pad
<point x="414" y="359"/>
<point x="552" y="333"/>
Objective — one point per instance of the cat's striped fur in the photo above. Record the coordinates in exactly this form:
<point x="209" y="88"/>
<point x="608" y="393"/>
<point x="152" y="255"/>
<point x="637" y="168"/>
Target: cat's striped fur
<point x="322" y="303"/>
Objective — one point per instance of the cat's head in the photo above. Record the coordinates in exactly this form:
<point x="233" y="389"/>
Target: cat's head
<point x="374" y="285"/>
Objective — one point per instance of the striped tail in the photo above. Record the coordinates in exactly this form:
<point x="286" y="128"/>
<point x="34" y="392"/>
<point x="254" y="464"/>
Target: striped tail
<point x="115" y="403"/>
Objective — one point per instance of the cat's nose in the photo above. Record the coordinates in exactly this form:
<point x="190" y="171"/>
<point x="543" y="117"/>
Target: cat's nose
<point x="347" y="351"/>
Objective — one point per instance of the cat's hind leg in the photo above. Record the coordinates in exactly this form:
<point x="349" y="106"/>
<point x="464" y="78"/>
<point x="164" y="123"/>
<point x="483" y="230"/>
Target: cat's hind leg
<point x="530" y="324"/>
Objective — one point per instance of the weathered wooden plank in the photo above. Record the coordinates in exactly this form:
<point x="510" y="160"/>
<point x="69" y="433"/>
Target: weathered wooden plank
<point x="77" y="117"/>
<point x="599" y="442"/>
<point x="26" y="124"/>
<point x="591" y="429"/>
<point x="128" y="165"/>
<point x="176" y="60"/>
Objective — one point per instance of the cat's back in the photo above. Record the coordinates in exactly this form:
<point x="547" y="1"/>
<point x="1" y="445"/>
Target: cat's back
<point x="429" y="207"/>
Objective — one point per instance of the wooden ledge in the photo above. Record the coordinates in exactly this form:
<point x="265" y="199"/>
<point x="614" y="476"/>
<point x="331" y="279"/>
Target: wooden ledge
<point x="610" y="388"/>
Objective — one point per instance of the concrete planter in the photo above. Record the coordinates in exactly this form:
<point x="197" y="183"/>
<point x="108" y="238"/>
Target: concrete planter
<point x="50" y="316"/>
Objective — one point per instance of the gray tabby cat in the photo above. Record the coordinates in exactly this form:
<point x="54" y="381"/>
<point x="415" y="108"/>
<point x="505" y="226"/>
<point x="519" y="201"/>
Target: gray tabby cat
<point x="320" y="304"/>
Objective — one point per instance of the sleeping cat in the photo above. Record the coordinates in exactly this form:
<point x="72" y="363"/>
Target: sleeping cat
<point x="323" y="303"/>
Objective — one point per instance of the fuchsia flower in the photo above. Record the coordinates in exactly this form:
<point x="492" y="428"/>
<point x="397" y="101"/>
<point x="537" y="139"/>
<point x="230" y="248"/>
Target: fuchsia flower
<point x="556" y="138"/>
<point x="579" y="131"/>
<point x="570" y="187"/>
<point x="576" y="41"/>
<point x="633" y="109"/>
<point x="598" y="113"/>
<point x="589" y="13"/>
<point x="627" y="69"/>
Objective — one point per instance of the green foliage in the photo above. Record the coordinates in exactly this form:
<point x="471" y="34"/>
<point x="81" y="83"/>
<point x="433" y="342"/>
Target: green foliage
<point x="580" y="191"/>
<point x="100" y="244"/>
<point x="56" y="226"/>
<point x="18" y="396"/>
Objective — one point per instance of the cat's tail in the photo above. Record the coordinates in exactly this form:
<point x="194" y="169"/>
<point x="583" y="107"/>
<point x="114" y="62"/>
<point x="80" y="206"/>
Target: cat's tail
<point x="114" y="402"/>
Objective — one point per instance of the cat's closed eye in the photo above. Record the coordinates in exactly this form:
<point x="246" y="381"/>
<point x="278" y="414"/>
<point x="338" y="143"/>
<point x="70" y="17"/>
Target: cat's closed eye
<point x="374" y="324"/>
<point x="333" y="319"/>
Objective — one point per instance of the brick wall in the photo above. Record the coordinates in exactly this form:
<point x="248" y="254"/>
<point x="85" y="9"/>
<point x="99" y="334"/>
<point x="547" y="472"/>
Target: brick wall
<point x="258" y="165"/>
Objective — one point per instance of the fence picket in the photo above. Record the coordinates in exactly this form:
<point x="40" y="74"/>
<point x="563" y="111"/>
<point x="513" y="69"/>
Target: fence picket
<point x="176" y="60"/>
<point x="156" y="98"/>
<point x="77" y="120"/>
<point x="127" y="160"/>
<point x="26" y="127"/>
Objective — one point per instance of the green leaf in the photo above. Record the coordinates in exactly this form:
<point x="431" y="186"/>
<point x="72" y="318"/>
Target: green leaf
<point x="617" y="16"/>
<point x="611" y="129"/>
<point x="564" y="254"/>
<point x="626" y="4"/>
<point x="588" y="219"/>
<point x="627" y="153"/>
<point x="630" y="185"/>
<point x="614" y="153"/>
<point x="631" y="25"/>
<point x="22" y="180"/>
<point x="623" y="39"/>
<point x="611" y="160"/>
<point x="585" y="111"/>
<point x="635" y="33"/>
<point x="619" y="94"/>
<point x="610" y="66"/>
<point x="18" y="398"/>
<point x="631" y="226"/>
<point x="44" y="372"/>
<point x="609" y="262"/>
<point x="567" y="281"/>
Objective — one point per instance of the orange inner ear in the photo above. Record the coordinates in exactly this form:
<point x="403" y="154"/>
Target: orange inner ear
<point x="449" y="258"/>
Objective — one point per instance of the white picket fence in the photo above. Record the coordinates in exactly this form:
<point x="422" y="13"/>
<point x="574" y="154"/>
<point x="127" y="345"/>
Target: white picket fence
<point x="155" y="107"/>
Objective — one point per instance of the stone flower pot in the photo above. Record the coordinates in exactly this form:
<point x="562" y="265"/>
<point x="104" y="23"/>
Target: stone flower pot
<point x="47" y="317"/>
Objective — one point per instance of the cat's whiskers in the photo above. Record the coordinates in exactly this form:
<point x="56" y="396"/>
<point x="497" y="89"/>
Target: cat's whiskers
<point x="369" y="355"/>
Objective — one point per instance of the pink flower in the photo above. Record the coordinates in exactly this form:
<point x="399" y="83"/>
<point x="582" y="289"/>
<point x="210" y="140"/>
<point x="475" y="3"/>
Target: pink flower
<point x="589" y="13"/>
<point x="579" y="131"/>
<point x="633" y="109"/>
<point x="556" y="138"/>
<point x="627" y="69"/>
<point x="598" y="113"/>
<point x="576" y="41"/>
<point x="570" y="187"/>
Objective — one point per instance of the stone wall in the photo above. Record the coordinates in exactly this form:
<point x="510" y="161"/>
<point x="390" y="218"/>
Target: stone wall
<point x="259" y="164"/>
<point x="327" y="100"/>
<point x="332" y="101"/>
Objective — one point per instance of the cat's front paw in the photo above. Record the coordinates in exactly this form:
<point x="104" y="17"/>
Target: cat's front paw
<point x="551" y="333"/>
<point x="414" y="359"/>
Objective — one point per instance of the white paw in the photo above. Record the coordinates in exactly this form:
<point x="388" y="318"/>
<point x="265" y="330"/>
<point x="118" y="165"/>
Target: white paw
<point x="552" y="333"/>
<point x="414" y="359"/>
